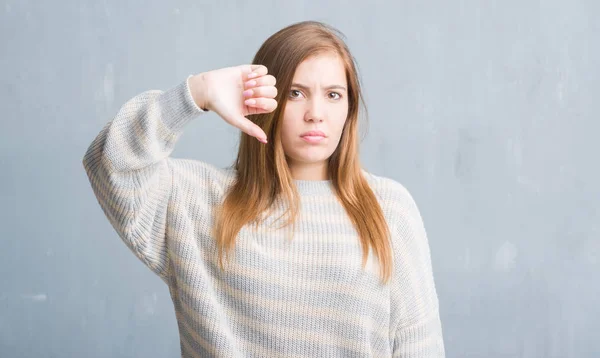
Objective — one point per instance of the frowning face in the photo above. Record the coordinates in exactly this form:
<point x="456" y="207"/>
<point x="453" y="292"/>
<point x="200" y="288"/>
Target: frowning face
<point x="315" y="114"/>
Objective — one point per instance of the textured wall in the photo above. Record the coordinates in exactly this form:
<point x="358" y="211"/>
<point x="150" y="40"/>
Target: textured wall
<point x="485" y="110"/>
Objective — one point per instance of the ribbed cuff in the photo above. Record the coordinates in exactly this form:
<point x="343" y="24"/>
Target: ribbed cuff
<point x="424" y="339"/>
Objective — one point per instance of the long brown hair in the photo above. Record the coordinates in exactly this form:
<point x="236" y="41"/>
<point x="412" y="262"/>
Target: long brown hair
<point x="263" y="175"/>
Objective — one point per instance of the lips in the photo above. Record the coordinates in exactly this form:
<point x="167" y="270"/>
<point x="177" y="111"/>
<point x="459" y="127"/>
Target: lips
<point x="313" y="134"/>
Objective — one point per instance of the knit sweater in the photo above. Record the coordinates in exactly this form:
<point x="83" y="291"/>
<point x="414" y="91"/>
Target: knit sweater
<point x="304" y="297"/>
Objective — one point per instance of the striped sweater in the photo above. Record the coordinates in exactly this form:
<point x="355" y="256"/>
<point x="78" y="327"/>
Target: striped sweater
<point x="308" y="297"/>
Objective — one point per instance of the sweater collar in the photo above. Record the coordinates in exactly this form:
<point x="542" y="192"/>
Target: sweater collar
<point x="314" y="187"/>
<point x="304" y="187"/>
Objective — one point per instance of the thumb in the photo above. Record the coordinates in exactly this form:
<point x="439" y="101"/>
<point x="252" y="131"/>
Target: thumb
<point x="250" y="128"/>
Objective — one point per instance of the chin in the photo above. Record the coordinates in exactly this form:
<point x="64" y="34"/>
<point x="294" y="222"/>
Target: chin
<point x="310" y="158"/>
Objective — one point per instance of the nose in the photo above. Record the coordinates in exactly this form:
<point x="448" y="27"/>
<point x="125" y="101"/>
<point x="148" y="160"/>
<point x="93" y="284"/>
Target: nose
<point x="315" y="110"/>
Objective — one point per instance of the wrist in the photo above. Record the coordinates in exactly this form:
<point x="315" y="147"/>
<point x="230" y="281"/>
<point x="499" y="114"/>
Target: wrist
<point x="199" y="91"/>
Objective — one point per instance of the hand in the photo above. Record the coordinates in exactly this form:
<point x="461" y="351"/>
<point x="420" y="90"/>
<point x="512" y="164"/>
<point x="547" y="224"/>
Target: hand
<point x="235" y="92"/>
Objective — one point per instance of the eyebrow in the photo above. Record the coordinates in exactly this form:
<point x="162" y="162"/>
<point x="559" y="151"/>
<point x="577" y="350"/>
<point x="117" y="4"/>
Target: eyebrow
<point x="299" y="85"/>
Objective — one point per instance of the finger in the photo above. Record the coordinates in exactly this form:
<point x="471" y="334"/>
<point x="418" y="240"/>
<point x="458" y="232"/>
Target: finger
<point x="259" y="111"/>
<point x="267" y="80"/>
<point x="267" y="92"/>
<point x="257" y="71"/>
<point x="253" y="71"/>
<point x="268" y="104"/>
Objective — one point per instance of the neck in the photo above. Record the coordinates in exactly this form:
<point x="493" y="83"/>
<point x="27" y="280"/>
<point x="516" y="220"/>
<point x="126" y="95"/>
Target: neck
<point x="309" y="171"/>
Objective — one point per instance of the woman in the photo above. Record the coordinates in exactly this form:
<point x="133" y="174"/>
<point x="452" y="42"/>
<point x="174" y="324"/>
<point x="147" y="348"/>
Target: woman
<point x="348" y="274"/>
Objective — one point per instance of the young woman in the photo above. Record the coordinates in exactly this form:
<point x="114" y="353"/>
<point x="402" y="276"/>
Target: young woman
<point x="293" y="251"/>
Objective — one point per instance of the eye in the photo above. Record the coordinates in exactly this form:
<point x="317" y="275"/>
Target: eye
<point x="294" y="93"/>
<point x="336" y="94"/>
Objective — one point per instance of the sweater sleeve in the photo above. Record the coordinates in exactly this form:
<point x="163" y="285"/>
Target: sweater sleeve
<point x="129" y="169"/>
<point x="416" y="326"/>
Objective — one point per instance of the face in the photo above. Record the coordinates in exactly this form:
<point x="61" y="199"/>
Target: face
<point x="317" y="101"/>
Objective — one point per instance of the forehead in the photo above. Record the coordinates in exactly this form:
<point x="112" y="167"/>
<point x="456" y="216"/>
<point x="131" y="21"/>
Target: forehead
<point x="327" y="68"/>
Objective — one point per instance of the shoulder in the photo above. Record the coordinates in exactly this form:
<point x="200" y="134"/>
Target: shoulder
<point x="409" y="236"/>
<point x="400" y="209"/>
<point x="392" y="194"/>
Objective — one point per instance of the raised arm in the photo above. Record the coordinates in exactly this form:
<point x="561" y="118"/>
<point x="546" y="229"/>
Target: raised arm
<point x="129" y="171"/>
<point x="128" y="163"/>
